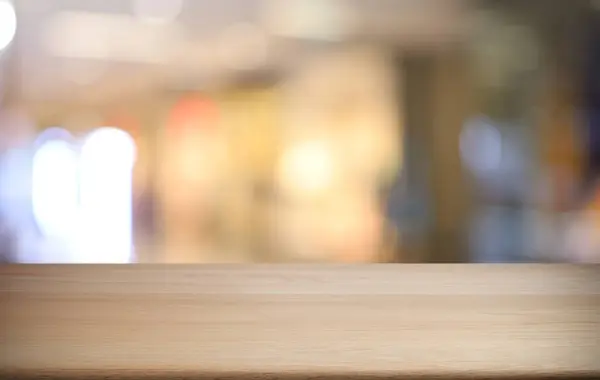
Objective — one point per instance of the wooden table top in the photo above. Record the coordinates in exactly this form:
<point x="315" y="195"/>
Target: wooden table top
<point x="299" y="321"/>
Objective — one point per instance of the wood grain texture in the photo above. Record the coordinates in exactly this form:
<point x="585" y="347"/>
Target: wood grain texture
<point x="364" y="320"/>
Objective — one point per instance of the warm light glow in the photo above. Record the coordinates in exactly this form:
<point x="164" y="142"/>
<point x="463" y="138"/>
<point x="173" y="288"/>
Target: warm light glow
<point x="107" y="159"/>
<point x="8" y="23"/>
<point x="192" y="113"/>
<point x="307" y="168"/>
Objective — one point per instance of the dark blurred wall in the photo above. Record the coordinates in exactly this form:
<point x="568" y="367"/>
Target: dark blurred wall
<point x="432" y="208"/>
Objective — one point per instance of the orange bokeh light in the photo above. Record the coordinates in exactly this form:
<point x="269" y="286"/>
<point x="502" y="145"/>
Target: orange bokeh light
<point x="192" y="112"/>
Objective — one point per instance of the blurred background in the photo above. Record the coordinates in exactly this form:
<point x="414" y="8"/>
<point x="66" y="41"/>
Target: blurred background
<point x="237" y="131"/>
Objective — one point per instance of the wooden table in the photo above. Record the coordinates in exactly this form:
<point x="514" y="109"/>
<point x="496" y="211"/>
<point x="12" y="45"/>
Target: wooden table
<point x="363" y="321"/>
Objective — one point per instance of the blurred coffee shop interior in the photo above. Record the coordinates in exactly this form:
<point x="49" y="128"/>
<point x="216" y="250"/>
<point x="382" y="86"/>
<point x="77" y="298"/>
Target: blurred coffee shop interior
<point x="299" y="131"/>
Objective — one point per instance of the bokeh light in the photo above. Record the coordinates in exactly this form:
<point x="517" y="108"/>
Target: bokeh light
<point x="55" y="189"/>
<point x="107" y="159"/>
<point x="8" y="23"/>
<point x="307" y="168"/>
<point x="309" y="130"/>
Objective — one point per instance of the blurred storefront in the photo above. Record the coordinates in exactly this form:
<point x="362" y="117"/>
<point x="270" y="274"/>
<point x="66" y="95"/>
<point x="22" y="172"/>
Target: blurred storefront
<point x="419" y="131"/>
<point x="284" y="172"/>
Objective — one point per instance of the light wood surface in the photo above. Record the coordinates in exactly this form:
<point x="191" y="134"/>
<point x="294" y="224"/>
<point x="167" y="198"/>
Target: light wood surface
<point x="364" y="319"/>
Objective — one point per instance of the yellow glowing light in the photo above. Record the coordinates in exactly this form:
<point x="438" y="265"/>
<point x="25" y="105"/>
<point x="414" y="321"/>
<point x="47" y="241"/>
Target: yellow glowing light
<point x="307" y="168"/>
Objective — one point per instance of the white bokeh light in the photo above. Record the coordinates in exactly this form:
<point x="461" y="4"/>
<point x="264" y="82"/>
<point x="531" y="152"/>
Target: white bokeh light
<point x="81" y="196"/>
<point x="107" y="159"/>
<point x="8" y="23"/>
<point x="55" y="188"/>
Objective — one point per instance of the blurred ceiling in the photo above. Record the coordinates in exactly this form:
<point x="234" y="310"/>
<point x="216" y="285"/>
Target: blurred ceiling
<point x="96" y="51"/>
